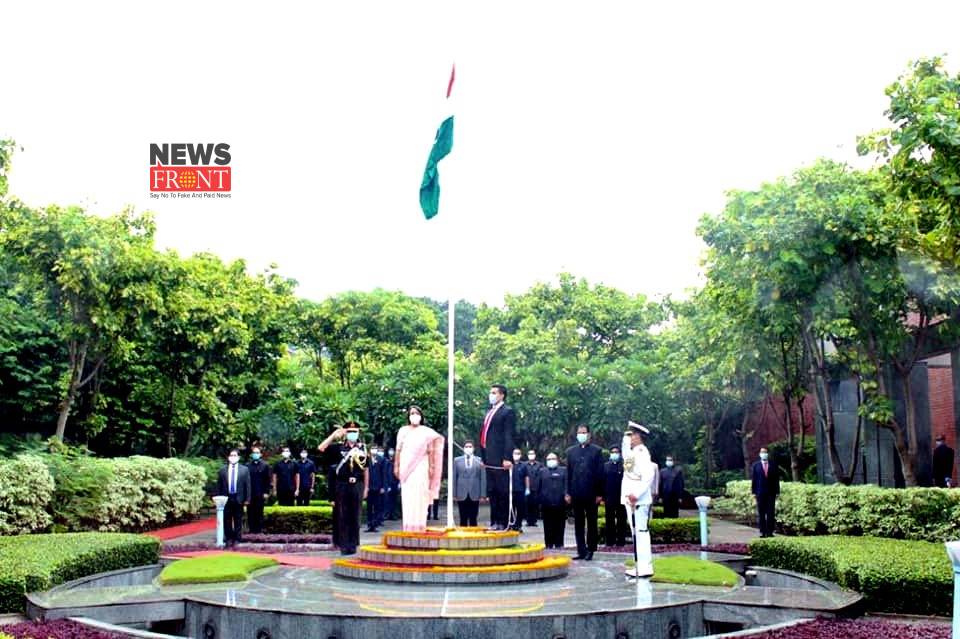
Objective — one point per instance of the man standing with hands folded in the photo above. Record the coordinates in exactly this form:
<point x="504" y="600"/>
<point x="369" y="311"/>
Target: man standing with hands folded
<point x="496" y="440"/>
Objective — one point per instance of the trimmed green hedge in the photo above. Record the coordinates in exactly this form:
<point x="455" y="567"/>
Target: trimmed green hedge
<point x="225" y="567"/>
<point x="894" y="575"/>
<point x="39" y="562"/>
<point x="26" y="490"/>
<point x="297" y="519"/>
<point x="684" y="530"/>
<point x="931" y="514"/>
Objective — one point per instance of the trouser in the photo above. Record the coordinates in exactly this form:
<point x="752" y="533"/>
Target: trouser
<point x="375" y="508"/>
<point x="519" y="509"/>
<point x="303" y="498"/>
<point x="390" y="507"/>
<point x="433" y="510"/>
<point x="533" y="509"/>
<point x="347" y="513"/>
<point x="585" y="510"/>
<point x="255" y="515"/>
<point x="766" y="514"/>
<point x="285" y="496"/>
<point x="468" y="511"/>
<point x="671" y="506"/>
<point x="554" y="521"/>
<point x="615" y="528"/>
<point x="498" y="487"/>
<point x="644" y="565"/>
<point x="232" y="520"/>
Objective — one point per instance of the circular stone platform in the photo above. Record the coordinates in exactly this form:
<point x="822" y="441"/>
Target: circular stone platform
<point x="452" y="556"/>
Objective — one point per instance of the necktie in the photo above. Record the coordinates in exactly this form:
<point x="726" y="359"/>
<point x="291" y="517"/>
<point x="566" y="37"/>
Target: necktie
<point x="233" y="479"/>
<point x="486" y="427"/>
<point x="469" y="461"/>
<point x="764" y="469"/>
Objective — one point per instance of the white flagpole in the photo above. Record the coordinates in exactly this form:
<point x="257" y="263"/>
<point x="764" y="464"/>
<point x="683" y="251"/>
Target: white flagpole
<point x="451" y="321"/>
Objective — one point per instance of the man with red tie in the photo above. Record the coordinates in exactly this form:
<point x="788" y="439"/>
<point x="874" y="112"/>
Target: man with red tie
<point x="766" y="487"/>
<point x="496" y="441"/>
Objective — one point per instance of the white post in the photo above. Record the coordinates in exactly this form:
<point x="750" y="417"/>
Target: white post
<point x="451" y="321"/>
<point x="220" y="501"/>
<point x="703" y="502"/>
<point x="953" y="549"/>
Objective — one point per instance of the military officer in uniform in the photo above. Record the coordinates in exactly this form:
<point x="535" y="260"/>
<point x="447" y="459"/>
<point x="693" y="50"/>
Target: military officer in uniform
<point x="352" y="480"/>
<point x="636" y="495"/>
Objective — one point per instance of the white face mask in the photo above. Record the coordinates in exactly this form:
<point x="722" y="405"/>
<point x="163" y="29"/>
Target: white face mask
<point x="669" y="463"/>
<point x="303" y="455"/>
<point x="517" y="457"/>
<point x="532" y="457"/>
<point x="415" y="419"/>
<point x="582" y="438"/>
<point x="468" y="451"/>
<point x="551" y="463"/>
<point x="494" y="398"/>
<point x="286" y="454"/>
<point x="614" y="457"/>
<point x="233" y="459"/>
<point x="764" y="456"/>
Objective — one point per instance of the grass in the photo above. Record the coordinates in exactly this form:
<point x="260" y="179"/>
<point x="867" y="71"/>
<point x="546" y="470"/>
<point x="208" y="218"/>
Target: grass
<point x="223" y="567"/>
<point x="679" y="569"/>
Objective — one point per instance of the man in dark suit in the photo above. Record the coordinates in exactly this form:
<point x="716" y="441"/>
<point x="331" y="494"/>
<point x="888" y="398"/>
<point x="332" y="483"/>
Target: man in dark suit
<point x="306" y="475"/>
<point x="533" y="472"/>
<point x="377" y="490"/>
<point x="585" y="483"/>
<point x="233" y="482"/>
<point x="259" y="490"/>
<point x="615" y="527"/>
<point x="671" y="489"/>
<point x="469" y="484"/>
<point x="766" y="487"/>
<point x="496" y="440"/>
<point x="942" y="463"/>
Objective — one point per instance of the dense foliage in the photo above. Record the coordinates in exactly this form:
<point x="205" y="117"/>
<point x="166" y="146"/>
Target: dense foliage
<point x="893" y="575"/>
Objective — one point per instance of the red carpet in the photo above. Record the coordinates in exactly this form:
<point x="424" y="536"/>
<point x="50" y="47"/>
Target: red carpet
<point x="194" y="527"/>
<point x="287" y="560"/>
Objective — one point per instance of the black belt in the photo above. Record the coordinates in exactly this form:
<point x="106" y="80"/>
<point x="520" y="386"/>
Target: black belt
<point x="349" y="480"/>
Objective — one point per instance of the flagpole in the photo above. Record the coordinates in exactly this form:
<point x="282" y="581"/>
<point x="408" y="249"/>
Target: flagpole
<point x="451" y="322"/>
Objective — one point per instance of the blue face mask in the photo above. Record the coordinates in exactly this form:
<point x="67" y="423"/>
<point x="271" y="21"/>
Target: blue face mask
<point x="764" y="456"/>
<point x="582" y="438"/>
<point x="669" y="463"/>
<point x="255" y="456"/>
<point x="551" y="463"/>
<point x="353" y="436"/>
<point x="614" y="457"/>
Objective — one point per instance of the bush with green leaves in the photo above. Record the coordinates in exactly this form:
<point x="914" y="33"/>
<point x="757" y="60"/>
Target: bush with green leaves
<point x="297" y="519"/>
<point x="683" y="530"/>
<point x="931" y="514"/>
<point x="26" y="490"/>
<point x="894" y="575"/>
<point x="39" y="562"/>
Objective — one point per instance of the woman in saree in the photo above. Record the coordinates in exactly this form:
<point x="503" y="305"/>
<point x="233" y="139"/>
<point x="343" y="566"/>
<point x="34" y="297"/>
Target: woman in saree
<point x="418" y="465"/>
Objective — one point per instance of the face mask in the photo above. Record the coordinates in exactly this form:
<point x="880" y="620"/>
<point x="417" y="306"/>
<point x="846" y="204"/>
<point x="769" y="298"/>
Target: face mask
<point x="582" y="438"/>
<point x="233" y="459"/>
<point x="286" y="454"/>
<point x="551" y="463"/>
<point x="669" y="463"/>
<point x="614" y="457"/>
<point x="532" y="457"/>
<point x="379" y="453"/>
<point x="415" y="419"/>
<point x="391" y="452"/>
<point x="517" y="457"/>
<point x="468" y="451"/>
<point x="493" y="398"/>
<point x="764" y="456"/>
<point x="353" y="437"/>
<point x="303" y="455"/>
<point x="255" y="456"/>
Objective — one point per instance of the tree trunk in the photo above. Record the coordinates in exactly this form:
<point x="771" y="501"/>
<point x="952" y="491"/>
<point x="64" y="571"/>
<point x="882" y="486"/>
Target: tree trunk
<point x="788" y="424"/>
<point x="172" y="405"/>
<point x="78" y="358"/>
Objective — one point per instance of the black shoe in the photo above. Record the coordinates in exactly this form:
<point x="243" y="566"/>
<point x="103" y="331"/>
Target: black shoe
<point x="348" y="551"/>
<point x="579" y="557"/>
<point x="589" y="556"/>
<point x="496" y="528"/>
<point x="368" y="529"/>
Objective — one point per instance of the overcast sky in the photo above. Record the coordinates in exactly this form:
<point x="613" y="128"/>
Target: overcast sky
<point x="590" y="137"/>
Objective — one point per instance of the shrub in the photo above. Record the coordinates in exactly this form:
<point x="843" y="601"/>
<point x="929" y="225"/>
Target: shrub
<point x="57" y="629"/>
<point x="680" y="569"/>
<point x="297" y="519"/>
<point x="211" y="469"/>
<point x="39" y="562"/>
<point x="26" y="488"/>
<point x="858" y="629"/>
<point x="931" y="514"/>
<point x="670" y="531"/>
<point x="210" y="569"/>
<point x="893" y="575"/>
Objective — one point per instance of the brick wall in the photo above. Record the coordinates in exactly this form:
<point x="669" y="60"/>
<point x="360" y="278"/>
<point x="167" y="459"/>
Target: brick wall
<point x="941" y="407"/>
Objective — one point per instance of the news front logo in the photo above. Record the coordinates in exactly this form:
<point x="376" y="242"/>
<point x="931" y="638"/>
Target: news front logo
<point x="190" y="170"/>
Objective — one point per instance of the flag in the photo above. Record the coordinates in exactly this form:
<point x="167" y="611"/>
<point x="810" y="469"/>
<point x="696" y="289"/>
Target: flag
<point x="442" y="144"/>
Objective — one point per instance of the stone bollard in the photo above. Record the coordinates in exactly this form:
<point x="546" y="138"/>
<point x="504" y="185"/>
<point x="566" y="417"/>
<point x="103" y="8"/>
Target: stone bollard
<point x="953" y="549"/>
<point x="220" y="501"/>
<point x="703" y="502"/>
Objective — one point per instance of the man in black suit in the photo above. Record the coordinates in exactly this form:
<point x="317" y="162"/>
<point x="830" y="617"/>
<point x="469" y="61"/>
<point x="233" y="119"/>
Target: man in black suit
<point x="942" y="463"/>
<point x="259" y="490"/>
<point x="671" y="489"/>
<point x="766" y="487"/>
<point x="233" y="482"/>
<point x="585" y="483"/>
<point x="496" y="440"/>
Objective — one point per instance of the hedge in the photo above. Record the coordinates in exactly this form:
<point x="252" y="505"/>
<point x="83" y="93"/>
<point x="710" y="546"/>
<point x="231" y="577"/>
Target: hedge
<point x="298" y="519"/>
<point x="26" y="490"/>
<point x="931" y="514"/>
<point x="39" y="562"/>
<point x="894" y="575"/>
<point x="683" y="530"/>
